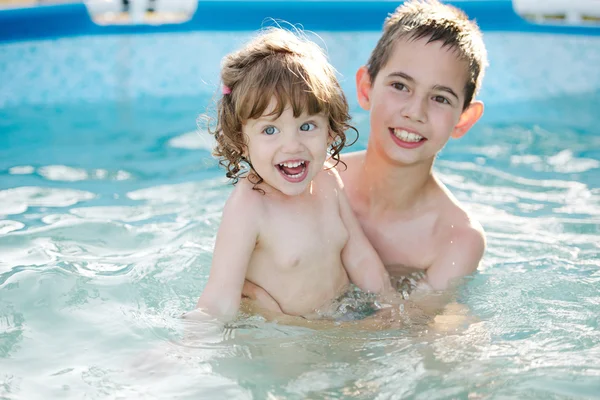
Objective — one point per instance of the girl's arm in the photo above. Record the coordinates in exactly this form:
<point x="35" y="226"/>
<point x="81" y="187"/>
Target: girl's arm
<point x="236" y="240"/>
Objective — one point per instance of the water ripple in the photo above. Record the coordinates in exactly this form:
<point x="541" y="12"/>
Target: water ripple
<point x="18" y="200"/>
<point x="110" y="240"/>
<point x="194" y="140"/>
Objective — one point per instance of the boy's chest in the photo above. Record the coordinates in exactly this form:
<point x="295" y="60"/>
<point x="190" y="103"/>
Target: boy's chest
<point x="404" y="245"/>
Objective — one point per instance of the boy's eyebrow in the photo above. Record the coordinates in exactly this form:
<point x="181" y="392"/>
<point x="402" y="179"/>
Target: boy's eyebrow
<point x="436" y="87"/>
<point x="446" y="89"/>
<point x="402" y="75"/>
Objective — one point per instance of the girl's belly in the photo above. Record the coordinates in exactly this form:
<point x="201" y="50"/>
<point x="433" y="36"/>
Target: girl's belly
<point x="310" y="298"/>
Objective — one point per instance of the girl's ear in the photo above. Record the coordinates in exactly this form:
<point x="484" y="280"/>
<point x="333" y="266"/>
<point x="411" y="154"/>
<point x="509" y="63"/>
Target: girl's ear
<point x="330" y="138"/>
<point x="467" y="119"/>
<point x="245" y="146"/>
<point x="363" y="87"/>
<point x="330" y="141"/>
<point x="328" y="159"/>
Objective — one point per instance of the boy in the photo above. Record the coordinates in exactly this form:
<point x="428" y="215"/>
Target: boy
<point x="418" y="85"/>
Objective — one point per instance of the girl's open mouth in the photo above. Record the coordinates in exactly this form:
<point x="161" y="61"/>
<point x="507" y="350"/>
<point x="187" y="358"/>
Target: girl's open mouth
<point x="293" y="171"/>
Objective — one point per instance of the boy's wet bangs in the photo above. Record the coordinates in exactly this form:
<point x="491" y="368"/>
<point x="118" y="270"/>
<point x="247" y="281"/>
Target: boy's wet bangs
<point x="287" y="84"/>
<point x="449" y="37"/>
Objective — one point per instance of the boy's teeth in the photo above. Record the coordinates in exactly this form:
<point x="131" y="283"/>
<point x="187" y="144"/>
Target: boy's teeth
<point x="292" y="164"/>
<point x="407" y="136"/>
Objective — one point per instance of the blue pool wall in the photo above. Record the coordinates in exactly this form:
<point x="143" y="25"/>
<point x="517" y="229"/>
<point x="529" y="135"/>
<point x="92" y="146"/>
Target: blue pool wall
<point x="52" y="21"/>
<point x="56" y="54"/>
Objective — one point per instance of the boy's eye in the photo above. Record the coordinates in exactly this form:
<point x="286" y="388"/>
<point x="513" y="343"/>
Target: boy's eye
<point x="399" y="86"/>
<point x="307" y="126"/>
<point x="441" y="99"/>
<point x="270" y="130"/>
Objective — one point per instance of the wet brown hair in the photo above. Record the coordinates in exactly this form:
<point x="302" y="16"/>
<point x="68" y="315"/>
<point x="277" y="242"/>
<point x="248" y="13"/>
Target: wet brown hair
<point x="289" y="67"/>
<point x="418" y="19"/>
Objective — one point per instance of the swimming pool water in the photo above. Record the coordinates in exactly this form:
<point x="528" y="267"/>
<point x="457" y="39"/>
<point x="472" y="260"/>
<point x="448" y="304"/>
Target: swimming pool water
<point x="109" y="203"/>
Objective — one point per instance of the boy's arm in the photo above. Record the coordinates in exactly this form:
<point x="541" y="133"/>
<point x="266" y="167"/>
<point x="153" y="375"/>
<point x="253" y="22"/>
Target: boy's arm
<point x="460" y="257"/>
<point x="363" y="265"/>
<point x="259" y="296"/>
<point x="437" y="292"/>
<point x="236" y="240"/>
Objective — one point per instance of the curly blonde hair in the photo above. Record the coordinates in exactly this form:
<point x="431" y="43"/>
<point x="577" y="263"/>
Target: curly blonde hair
<point x="289" y="67"/>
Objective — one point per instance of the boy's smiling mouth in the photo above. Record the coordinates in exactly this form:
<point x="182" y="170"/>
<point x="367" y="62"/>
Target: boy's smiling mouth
<point x="293" y="170"/>
<point x="407" y="139"/>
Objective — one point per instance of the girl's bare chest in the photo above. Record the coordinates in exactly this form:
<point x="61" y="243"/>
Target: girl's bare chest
<point x="310" y="234"/>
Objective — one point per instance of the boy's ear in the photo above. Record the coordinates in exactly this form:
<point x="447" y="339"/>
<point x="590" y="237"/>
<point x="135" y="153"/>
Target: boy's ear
<point x="467" y="119"/>
<point x="363" y="87"/>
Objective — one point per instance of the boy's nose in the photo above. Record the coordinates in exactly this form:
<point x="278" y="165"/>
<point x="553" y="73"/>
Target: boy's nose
<point x="415" y="109"/>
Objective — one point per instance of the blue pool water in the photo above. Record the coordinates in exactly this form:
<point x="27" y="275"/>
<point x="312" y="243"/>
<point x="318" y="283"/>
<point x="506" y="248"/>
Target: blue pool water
<point x="109" y="203"/>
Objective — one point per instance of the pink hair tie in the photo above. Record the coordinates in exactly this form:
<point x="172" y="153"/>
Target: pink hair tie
<point x="226" y="89"/>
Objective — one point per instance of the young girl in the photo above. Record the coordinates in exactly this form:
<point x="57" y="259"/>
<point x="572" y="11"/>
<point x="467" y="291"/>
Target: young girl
<point x="287" y="226"/>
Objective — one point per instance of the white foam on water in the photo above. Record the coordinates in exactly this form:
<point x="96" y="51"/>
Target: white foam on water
<point x="18" y="200"/>
<point x="194" y="140"/>
<point x="63" y="173"/>
<point x="21" y="170"/>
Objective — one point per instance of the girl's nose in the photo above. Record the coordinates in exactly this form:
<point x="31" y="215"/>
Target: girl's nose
<point x="292" y="143"/>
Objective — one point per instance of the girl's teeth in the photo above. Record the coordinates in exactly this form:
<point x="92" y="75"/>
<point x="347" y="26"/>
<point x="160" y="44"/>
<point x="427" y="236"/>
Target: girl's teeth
<point x="292" y="164"/>
<point x="407" y="136"/>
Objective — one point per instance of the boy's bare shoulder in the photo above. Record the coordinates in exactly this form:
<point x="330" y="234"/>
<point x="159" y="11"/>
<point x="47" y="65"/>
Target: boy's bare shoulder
<point x="457" y="221"/>
<point x="461" y="237"/>
<point x="353" y="157"/>
<point x="349" y="165"/>
<point x="329" y="177"/>
<point x="465" y="231"/>
<point x="347" y="168"/>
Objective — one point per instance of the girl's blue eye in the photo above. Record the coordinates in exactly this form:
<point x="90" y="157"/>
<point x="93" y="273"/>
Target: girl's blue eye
<point x="270" y="130"/>
<point x="307" y="126"/>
